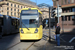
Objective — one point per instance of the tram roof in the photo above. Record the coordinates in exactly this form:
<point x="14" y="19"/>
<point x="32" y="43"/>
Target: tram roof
<point x="31" y="9"/>
<point x="14" y="17"/>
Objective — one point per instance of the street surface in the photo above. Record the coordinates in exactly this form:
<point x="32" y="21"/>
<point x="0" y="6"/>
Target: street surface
<point x="65" y="37"/>
<point x="12" y="42"/>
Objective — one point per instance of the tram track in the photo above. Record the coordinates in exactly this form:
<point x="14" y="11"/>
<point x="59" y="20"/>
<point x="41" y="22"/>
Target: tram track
<point x="13" y="45"/>
<point x="19" y="43"/>
<point x="30" y="46"/>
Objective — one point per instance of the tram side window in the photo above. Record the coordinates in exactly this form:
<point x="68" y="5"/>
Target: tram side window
<point x="17" y="24"/>
<point x="14" y="22"/>
<point x="40" y="19"/>
<point x="1" y="21"/>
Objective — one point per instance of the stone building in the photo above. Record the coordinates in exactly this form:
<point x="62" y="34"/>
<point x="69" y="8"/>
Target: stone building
<point x="67" y="19"/>
<point x="44" y="8"/>
<point x="12" y="7"/>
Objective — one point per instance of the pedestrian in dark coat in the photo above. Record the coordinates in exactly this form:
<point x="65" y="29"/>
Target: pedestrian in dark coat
<point x="58" y="34"/>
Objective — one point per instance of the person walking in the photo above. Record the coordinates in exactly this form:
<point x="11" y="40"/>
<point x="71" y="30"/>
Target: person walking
<point x="58" y="34"/>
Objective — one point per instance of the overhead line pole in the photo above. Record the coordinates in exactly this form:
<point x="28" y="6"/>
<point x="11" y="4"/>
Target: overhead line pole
<point x="58" y="11"/>
<point x="49" y="26"/>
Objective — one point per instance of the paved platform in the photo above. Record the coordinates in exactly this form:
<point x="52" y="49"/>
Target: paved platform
<point x="63" y="46"/>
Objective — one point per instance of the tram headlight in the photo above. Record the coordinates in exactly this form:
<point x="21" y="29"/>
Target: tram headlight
<point x="22" y="31"/>
<point x="36" y="31"/>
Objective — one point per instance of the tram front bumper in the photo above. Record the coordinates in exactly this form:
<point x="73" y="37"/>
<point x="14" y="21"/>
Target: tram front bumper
<point x="29" y="37"/>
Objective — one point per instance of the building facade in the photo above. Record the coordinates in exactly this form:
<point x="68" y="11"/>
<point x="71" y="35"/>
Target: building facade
<point x="44" y="8"/>
<point x="12" y="7"/>
<point x="67" y="19"/>
<point x="45" y="12"/>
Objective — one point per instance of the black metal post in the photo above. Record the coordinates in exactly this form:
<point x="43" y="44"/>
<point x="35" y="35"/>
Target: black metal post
<point x="62" y="24"/>
<point x="49" y="27"/>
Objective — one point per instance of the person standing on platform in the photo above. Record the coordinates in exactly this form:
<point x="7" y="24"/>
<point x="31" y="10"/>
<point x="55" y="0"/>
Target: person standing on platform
<point x="58" y="34"/>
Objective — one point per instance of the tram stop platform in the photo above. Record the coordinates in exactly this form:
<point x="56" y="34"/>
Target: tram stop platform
<point x="46" y="45"/>
<point x="63" y="46"/>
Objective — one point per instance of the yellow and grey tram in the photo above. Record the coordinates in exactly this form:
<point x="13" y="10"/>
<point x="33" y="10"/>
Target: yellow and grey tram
<point x="30" y="24"/>
<point x="9" y="25"/>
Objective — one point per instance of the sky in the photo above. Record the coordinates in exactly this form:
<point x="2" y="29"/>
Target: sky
<point x="43" y="1"/>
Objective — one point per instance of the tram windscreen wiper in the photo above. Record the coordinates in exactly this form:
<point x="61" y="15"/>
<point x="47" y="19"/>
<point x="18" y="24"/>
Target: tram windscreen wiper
<point x="24" y="25"/>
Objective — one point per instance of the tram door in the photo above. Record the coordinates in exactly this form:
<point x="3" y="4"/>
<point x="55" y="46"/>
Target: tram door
<point x="1" y="23"/>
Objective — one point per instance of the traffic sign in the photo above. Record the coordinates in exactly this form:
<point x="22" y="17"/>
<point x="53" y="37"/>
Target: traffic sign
<point x="59" y="15"/>
<point x="60" y="10"/>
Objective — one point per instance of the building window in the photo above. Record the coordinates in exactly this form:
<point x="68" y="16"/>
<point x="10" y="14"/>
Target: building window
<point x="14" y="14"/>
<point x="66" y="9"/>
<point x="7" y="8"/>
<point x="14" y="9"/>
<point x="14" y="5"/>
<point x="54" y="3"/>
<point x="11" y="9"/>
<point x="70" y="10"/>
<point x="11" y="13"/>
<point x="72" y="1"/>
<point x="18" y="10"/>
<point x="21" y="6"/>
<point x="7" y="3"/>
<point x="73" y="18"/>
<point x="62" y="18"/>
<point x="11" y="4"/>
<point x="65" y="1"/>
<point x="7" y="13"/>
<point x="69" y="18"/>
<point x="65" y="18"/>
<point x="68" y="1"/>
<point x="63" y="11"/>
<point x="73" y="9"/>
<point x="18" y="6"/>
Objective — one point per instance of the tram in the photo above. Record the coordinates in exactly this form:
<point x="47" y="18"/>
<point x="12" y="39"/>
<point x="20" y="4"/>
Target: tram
<point x="9" y="25"/>
<point x="30" y="24"/>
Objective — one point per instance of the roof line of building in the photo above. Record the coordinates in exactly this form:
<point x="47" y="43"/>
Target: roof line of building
<point x="20" y="3"/>
<point x="2" y="3"/>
